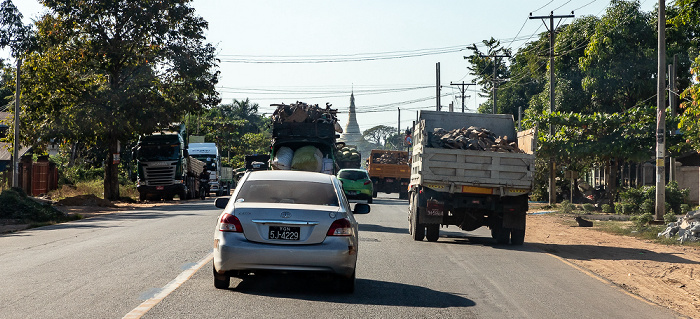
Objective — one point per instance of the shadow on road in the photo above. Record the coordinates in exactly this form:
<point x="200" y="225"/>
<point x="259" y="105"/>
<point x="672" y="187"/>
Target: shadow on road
<point x="367" y="292"/>
<point x="150" y="213"/>
<point x="382" y="229"/>
<point x="589" y="252"/>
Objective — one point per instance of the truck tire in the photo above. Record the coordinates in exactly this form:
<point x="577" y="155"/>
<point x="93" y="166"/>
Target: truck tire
<point x="517" y="235"/>
<point x="500" y="234"/>
<point x="417" y="230"/>
<point x="433" y="232"/>
<point x="374" y="193"/>
<point x="403" y="195"/>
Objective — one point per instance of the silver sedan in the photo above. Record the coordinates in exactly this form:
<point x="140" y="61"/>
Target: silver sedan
<point x="286" y="221"/>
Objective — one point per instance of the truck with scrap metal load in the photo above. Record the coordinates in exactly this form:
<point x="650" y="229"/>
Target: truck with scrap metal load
<point x="348" y="157"/>
<point x="468" y="171"/>
<point x="164" y="167"/>
<point x="304" y="138"/>
<point x="390" y="172"/>
<point x="209" y="154"/>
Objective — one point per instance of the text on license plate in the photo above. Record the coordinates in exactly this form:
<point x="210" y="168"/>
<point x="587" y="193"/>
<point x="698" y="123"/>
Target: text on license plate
<point x="160" y="188"/>
<point x="283" y="232"/>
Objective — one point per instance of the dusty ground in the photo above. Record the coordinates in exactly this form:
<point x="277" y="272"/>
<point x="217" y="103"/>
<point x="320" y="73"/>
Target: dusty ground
<point x="661" y="274"/>
<point x="665" y="275"/>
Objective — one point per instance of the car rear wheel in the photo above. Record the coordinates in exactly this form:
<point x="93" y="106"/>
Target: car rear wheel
<point x="346" y="284"/>
<point x="221" y="281"/>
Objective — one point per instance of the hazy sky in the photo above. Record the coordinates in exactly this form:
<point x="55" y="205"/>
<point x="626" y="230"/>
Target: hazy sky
<point x="358" y="36"/>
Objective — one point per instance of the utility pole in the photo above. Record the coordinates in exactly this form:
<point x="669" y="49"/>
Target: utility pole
<point x="672" y="103"/>
<point x="552" y="33"/>
<point x="661" y="115"/>
<point x="15" y="151"/>
<point x="399" y="126"/>
<point x="494" y="80"/>
<point x="437" y="86"/>
<point x="463" y="89"/>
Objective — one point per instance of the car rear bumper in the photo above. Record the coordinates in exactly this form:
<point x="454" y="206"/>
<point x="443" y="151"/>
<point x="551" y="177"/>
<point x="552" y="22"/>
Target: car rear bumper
<point x="235" y="253"/>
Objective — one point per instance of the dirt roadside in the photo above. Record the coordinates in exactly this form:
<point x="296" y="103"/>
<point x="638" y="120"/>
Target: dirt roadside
<point x="665" y="275"/>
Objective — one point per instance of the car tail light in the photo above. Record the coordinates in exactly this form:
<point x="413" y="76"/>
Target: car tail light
<point x="230" y="223"/>
<point x="340" y="227"/>
<point x="367" y="182"/>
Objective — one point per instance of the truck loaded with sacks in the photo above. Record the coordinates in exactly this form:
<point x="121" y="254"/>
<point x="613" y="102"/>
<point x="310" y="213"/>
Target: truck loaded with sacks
<point x="468" y="171"/>
<point x="304" y="138"/>
<point x="348" y="157"/>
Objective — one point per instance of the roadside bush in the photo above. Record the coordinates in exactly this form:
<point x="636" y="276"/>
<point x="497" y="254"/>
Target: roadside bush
<point x="15" y="204"/>
<point x="685" y="208"/>
<point x="623" y="208"/>
<point x="588" y="207"/>
<point x="642" y="200"/>
<point x="607" y="209"/>
<point x="641" y="221"/>
<point x="670" y="217"/>
<point x="567" y="207"/>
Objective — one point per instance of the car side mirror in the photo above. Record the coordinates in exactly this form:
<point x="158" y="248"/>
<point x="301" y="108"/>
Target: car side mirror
<point x="221" y="202"/>
<point x="361" y="208"/>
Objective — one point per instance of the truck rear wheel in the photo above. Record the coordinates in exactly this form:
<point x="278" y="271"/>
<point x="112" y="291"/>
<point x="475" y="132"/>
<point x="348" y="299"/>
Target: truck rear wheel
<point x="517" y="235"/>
<point x="417" y="230"/>
<point x="500" y="234"/>
<point x="433" y="232"/>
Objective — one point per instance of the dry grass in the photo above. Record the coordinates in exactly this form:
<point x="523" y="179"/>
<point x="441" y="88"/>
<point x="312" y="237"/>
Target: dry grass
<point x="94" y="187"/>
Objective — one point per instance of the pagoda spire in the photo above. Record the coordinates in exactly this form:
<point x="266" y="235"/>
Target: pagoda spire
<point x="352" y="134"/>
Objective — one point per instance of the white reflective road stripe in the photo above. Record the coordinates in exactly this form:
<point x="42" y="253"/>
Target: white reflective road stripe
<point x="170" y="287"/>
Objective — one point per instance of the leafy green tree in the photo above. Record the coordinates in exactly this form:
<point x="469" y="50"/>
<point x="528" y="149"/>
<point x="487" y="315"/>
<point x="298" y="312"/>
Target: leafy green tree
<point x="379" y="135"/>
<point x="690" y="120"/>
<point x="109" y="71"/>
<point x="482" y="67"/>
<point x="620" y="60"/>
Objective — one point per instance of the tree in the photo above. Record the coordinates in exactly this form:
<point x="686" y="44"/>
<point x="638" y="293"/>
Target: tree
<point x="482" y="67"/>
<point x="690" y="120"/>
<point x="109" y="71"/>
<point x="620" y="60"/>
<point x="379" y="135"/>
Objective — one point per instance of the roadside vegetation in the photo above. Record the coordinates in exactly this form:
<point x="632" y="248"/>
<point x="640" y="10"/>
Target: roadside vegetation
<point x="633" y="213"/>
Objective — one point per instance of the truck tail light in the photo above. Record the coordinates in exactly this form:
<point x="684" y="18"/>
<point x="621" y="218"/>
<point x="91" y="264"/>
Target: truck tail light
<point x="230" y="223"/>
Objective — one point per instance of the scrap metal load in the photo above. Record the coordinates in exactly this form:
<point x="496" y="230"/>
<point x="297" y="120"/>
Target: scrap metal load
<point x="472" y="138"/>
<point x="391" y="158"/>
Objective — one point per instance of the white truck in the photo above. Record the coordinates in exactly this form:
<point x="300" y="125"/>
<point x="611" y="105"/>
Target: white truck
<point x="209" y="154"/>
<point x="465" y="187"/>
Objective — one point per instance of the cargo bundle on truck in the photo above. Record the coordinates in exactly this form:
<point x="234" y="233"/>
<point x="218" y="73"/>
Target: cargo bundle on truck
<point x="390" y="172"/>
<point x="348" y="157"/>
<point x="304" y="138"/>
<point x="468" y="171"/>
<point x="164" y="167"/>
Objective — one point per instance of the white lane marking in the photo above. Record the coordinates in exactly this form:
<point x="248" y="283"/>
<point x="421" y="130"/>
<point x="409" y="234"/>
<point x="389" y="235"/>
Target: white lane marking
<point x="170" y="287"/>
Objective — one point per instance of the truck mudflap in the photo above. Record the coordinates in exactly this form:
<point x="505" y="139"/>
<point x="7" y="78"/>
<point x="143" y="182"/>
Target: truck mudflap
<point x="432" y="213"/>
<point x="514" y="220"/>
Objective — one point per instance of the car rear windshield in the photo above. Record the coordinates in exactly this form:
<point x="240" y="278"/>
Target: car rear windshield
<point x="292" y="192"/>
<point x="353" y="175"/>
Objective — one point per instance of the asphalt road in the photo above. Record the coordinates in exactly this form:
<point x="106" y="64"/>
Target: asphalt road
<point x="155" y="263"/>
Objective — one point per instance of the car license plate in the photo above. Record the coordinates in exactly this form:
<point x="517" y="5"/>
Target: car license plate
<point x="283" y="232"/>
<point x="160" y="188"/>
<point x="352" y="193"/>
<point x="389" y="180"/>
